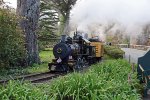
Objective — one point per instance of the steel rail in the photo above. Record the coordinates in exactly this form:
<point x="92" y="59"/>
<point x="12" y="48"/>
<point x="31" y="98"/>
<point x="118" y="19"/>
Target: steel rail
<point x="35" y="78"/>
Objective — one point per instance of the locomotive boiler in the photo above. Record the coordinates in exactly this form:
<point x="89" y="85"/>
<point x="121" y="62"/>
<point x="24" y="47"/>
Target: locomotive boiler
<point x="72" y="54"/>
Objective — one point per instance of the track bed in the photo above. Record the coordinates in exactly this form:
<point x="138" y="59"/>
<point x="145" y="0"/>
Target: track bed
<point x="35" y="78"/>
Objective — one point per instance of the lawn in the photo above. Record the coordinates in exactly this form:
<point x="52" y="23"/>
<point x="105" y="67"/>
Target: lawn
<point x="45" y="57"/>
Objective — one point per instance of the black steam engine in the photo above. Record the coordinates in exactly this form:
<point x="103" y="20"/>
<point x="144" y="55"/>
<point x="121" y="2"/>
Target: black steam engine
<point x="73" y="54"/>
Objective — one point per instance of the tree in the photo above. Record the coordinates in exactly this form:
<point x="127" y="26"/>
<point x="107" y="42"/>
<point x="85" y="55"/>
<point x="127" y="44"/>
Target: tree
<point x="64" y="7"/>
<point x="109" y="27"/>
<point x="48" y="25"/>
<point x="143" y="37"/>
<point x="146" y="34"/>
<point x="1" y="2"/>
<point x="29" y="10"/>
<point x="48" y="22"/>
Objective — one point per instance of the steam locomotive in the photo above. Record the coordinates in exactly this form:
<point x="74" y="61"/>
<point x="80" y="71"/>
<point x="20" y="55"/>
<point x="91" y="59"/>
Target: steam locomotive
<point x="73" y="54"/>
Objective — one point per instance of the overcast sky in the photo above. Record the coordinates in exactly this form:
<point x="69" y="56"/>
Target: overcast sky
<point x="13" y="3"/>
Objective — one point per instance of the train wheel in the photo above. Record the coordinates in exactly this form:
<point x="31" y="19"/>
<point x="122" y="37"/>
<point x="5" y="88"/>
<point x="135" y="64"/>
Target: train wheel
<point x="84" y="63"/>
<point x="78" y="65"/>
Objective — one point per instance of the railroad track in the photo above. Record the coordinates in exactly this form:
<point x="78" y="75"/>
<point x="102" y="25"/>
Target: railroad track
<point x="35" y="78"/>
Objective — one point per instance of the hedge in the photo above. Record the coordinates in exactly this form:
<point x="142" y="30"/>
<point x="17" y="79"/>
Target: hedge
<point x="113" y="52"/>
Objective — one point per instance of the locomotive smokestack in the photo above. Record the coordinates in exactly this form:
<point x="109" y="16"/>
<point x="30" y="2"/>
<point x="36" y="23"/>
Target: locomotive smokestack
<point x="63" y="38"/>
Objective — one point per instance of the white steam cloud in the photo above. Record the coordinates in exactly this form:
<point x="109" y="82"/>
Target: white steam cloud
<point x="98" y="14"/>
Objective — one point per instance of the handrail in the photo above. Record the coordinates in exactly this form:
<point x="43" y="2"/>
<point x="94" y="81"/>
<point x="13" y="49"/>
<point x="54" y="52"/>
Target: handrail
<point x="141" y="68"/>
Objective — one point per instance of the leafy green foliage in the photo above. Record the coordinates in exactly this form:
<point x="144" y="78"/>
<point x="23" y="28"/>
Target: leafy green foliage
<point x="48" y="24"/>
<point x="106" y="81"/>
<point x="64" y="7"/>
<point x="12" y="50"/>
<point x="48" y="21"/>
<point x="21" y="91"/>
<point x="113" y="52"/>
<point x="47" y="43"/>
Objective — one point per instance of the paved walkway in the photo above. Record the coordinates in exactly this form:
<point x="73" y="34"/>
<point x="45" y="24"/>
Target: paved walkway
<point x="132" y="55"/>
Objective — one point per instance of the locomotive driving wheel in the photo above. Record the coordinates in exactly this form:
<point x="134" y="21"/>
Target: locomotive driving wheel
<point x="84" y="62"/>
<point x="79" y="64"/>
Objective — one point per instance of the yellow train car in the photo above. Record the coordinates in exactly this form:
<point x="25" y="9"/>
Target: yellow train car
<point x="99" y="48"/>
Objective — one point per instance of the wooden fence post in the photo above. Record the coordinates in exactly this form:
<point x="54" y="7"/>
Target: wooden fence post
<point x="129" y="78"/>
<point x="133" y="67"/>
<point x="129" y="58"/>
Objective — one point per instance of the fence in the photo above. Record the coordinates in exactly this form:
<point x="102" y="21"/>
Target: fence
<point x="139" y="47"/>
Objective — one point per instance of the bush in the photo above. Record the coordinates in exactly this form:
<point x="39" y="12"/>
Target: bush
<point x="12" y="50"/>
<point x="113" y="52"/>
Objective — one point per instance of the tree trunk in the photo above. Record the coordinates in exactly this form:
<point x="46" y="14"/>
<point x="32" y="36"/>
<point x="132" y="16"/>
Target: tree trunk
<point x="61" y="25"/>
<point x="29" y="10"/>
<point x="66" y="24"/>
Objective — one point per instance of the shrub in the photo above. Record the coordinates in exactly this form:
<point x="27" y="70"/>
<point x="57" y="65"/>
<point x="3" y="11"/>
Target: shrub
<point x="12" y="50"/>
<point x="42" y="45"/>
<point x="113" y="52"/>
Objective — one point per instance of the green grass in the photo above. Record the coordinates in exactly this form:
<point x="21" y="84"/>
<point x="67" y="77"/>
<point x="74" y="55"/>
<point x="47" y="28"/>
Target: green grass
<point x="21" y="91"/>
<point x="104" y="81"/>
<point x="45" y="56"/>
<point x="37" y="68"/>
<point x="48" y="49"/>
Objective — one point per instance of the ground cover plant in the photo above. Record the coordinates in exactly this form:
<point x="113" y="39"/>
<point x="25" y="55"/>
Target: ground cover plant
<point x="104" y="81"/>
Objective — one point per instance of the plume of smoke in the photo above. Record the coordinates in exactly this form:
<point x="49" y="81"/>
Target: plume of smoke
<point x="95" y="16"/>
